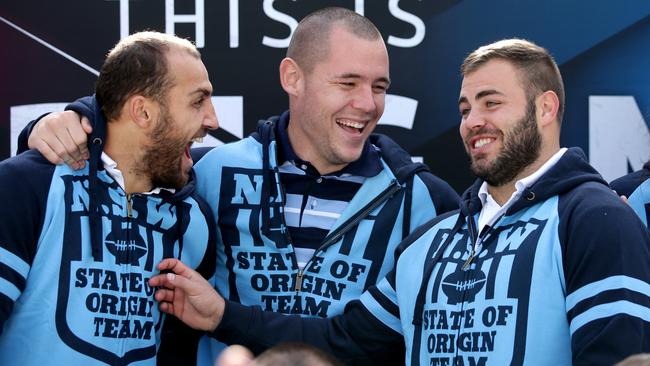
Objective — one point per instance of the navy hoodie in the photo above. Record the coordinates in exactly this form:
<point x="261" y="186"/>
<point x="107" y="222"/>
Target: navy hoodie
<point x="76" y="252"/>
<point x="562" y="278"/>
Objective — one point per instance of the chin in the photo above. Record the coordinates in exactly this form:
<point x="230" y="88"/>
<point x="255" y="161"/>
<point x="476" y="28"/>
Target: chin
<point x="351" y="155"/>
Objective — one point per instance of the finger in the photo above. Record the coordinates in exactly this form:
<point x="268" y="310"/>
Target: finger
<point x="164" y="295"/>
<point x="85" y="124"/>
<point x="190" y="287"/>
<point x="35" y="141"/>
<point x="54" y="151"/>
<point x="156" y="281"/>
<point x="167" y="264"/>
<point x="160" y="280"/>
<point x="176" y="266"/>
<point x="166" y="307"/>
<point x="69" y="144"/>
<point x="46" y="138"/>
<point x="79" y="134"/>
<point x="46" y="151"/>
<point x="66" y="127"/>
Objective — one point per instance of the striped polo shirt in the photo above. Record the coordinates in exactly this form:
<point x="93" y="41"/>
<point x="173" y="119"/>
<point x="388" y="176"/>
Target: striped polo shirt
<point x="314" y="202"/>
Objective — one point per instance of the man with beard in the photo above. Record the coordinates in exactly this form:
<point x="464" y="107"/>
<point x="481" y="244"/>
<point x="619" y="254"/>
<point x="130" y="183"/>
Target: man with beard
<point x="310" y="207"/>
<point x="542" y="264"/>
<point x="77" y="247"/>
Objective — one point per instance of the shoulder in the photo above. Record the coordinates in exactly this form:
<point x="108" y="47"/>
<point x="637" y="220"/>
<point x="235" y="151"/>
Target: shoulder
<point x="627" y="184"/>
<point x="438" y="188"/>
<point x="425" y="233"/>
<point x="594" y="200"/>
<point x="590" y="196"/>
<point x="234" y="153"/>
<point x="27" y="169"/>
<point x="593" y="215"/>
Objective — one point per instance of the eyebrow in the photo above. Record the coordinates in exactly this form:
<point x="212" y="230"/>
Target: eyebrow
<point x="203" y="91"/>
<point x="351" y="75"/>
<point x="479" y="95"/>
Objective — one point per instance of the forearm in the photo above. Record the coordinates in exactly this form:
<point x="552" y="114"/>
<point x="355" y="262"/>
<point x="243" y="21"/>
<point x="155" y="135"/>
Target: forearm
<point x="355" y="337"/>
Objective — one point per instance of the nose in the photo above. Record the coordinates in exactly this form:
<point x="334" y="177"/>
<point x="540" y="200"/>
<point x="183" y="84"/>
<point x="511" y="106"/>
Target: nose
<point x="473" y="120"/>
<point x="210" y="121"/>
<point x="364" y="100"/>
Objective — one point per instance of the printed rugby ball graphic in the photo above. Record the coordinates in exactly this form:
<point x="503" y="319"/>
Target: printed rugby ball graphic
<point x="126" y="251"/>
<point x="463" y="282"/>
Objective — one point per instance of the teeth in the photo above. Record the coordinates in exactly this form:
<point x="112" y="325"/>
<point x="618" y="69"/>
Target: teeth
<point x="357" y="125"/>
<point x="481" y="143"/>
<point x="197" y="139"/>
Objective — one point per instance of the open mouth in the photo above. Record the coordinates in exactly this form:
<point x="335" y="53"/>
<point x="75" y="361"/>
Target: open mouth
<point x="482" y="142"/>
<point x="351" y="126"/>
<point x="189" y="146"/>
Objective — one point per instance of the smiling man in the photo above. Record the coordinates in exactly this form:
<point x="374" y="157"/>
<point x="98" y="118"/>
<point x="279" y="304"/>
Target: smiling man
<point x="77" y="247"/>
<point x="542" y="265"/>
<point x="312" y="206"/>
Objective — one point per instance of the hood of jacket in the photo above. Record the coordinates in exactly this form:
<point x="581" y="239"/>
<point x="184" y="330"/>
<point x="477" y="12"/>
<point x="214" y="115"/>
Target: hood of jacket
<point x="90" y="108"/>
<point x="569" y="172"/>
<point x="397" y="159"/>
<point x="393" y="155"/>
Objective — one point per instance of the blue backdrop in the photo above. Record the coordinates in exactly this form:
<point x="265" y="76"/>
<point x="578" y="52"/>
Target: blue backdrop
<point x="52" y="51"/>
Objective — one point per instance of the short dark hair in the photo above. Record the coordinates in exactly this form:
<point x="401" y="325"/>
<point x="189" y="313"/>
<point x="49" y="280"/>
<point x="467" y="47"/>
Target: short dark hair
<point x="537" y="68"/>
<point x="295" y="354"/>
<point x="137" y="65"/>
<point x="310" y="41"/>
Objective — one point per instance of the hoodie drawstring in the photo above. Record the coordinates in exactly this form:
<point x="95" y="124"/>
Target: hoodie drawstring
<point x="266" y="178"/>
<point x="95" y="218"/>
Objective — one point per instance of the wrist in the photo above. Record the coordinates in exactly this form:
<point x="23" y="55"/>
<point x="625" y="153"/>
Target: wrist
<point x="217" y="315"/>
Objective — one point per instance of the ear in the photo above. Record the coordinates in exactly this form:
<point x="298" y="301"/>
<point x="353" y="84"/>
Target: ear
<point x="142" y="110"/>
<point x="548" y="105"/>
<point x="291" y="76"/>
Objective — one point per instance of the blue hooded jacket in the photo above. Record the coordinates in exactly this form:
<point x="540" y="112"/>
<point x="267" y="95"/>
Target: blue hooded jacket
<point x="256" y="264"/>
<point x="76" y="252"/>
<point x="563" y="277"/>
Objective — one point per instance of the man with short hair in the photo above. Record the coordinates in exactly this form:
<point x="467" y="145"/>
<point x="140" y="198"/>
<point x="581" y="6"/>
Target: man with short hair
<point x="77" y="247"/>
<point x="311" y="207"/>
<point x="542" y="264"/>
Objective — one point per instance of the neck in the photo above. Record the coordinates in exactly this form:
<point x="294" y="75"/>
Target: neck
<point x="501" y="194"/>
<point x="306" y="151"/>
<point x="125" y="148"/>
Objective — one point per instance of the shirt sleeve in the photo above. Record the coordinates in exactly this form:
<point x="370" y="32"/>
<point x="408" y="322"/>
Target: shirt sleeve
<point x="606" y="251"/>
<point x="355" y="337"/>
<point x="24" y="185"/>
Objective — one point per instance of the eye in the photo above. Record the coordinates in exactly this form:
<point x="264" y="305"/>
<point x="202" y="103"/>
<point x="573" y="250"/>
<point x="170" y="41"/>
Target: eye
<point x="464" y="110"/>
<point x="379" y="88"/>
<point x="491" y="103"/>
<point x="197" y="103"/>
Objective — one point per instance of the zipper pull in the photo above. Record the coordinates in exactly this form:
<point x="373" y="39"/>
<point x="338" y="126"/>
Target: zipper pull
<point x="475" y="250"/>
<point x="129" y="206"/>
<point x="298" y="280"/>
<point x="469" y="260"/>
